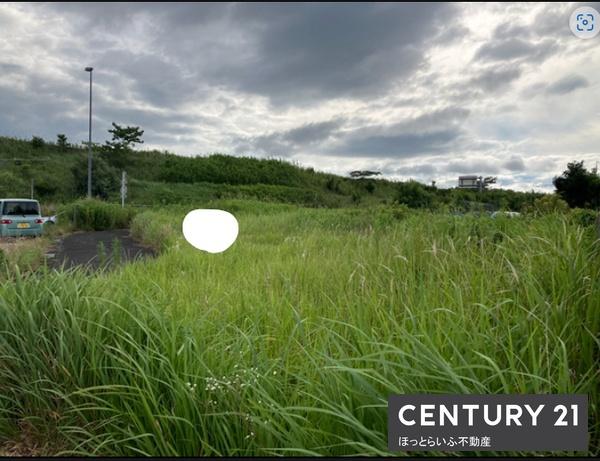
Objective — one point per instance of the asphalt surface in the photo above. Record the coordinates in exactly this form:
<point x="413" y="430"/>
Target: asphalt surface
<point x="83" y="249"/>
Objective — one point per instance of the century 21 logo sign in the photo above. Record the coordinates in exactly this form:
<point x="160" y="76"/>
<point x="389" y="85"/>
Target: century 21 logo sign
<point x="465" y="414"/>
<point x="513" y="422"/>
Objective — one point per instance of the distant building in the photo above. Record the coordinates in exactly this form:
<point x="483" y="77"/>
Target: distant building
<point x="475" y="182"/>
<point x="469" y="182"/>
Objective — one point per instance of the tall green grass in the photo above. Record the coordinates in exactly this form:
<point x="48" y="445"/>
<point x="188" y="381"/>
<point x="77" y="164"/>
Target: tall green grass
<point x="91" y="214"/>
<point x="291" y="341"/>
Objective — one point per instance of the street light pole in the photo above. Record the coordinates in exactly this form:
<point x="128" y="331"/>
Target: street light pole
<point x="89" y="184"/>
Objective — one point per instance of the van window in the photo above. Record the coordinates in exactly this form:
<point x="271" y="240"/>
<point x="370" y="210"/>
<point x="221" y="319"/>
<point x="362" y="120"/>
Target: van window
<point x="20" y="208"/>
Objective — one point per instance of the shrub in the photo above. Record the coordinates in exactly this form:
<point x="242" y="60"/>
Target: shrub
<point x="414" y="195"/>
<point x="331" y="184"/>
<point x="37" y="142"/>
<point x="150" y="230"/>
<point x="97" y="215"/>
<point x="583" y="217"/>
<point x="550" y="203"/>
<point x="117" y="249"/>
<point x="385" y="215"/>
<point x="12" y="185"/>
<point x="102" y="258"/>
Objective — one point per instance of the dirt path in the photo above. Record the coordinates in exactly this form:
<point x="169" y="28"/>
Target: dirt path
<point x="83" y="249"/>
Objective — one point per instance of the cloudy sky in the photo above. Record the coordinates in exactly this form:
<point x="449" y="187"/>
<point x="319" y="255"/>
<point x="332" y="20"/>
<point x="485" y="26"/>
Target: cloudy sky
<point x="421" y="91"/>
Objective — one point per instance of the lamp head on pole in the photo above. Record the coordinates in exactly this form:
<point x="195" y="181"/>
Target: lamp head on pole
<point x="89" y="69"/>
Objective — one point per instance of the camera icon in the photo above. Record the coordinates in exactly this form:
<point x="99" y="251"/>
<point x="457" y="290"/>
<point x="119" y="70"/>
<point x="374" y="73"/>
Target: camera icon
<point x="584" y="22"/>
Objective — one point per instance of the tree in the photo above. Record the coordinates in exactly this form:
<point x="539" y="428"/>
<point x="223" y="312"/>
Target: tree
<point x="37" y="142"/>
<point x="578" y="187"/>
<point x="119" y="148"/>
<point x="414" y="195"/>
<point x="105" y="179"/>
<point x="364" y="173"/>
<point x="124" y="137"/>
<point x="61" y="142"/>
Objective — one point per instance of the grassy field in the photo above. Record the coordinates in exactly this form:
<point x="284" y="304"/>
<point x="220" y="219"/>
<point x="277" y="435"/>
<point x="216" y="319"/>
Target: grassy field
<point x="290" y="342"/>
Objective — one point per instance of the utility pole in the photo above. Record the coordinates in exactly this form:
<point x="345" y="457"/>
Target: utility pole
<point x="89" y="184"/>
<point x="123" y="188"/>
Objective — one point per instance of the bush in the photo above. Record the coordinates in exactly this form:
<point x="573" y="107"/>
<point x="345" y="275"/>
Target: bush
<point x="223" y="169"/>
<point x="385" y="215"/>
<point x="12" y="185"/>
<point x="414" y="195"/>
<point x="583" y="217"/>
<point x="151" y="230"/>
<point x="550" y="203"/>
<point x="97" y="215"/>
<point x="37" y="142"/>
<point x="332" y="185"/>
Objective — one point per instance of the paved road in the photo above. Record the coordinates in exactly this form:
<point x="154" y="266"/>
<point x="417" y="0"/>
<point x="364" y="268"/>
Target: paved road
<point x="82" y="249"/>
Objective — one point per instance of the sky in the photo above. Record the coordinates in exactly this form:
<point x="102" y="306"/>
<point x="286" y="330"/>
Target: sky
<point x="417" y="91"/>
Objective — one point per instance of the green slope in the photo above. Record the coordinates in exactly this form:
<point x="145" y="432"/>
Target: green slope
<point x="164" y="178"/>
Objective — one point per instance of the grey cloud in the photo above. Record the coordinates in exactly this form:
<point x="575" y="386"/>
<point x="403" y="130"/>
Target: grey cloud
<point x="316" y="51"/>
<point x="534" y="89"/>
<point x="553" y="21"/>
<point x="510" y="30"/>
<point x="514" y="164"/>
<point x="426" y="134"/>
<point x="20" y="118"/>
<point x="567" y="84"/>
<point x="516" y="48"/>
<point x="402" y="145"/>
<point x="311" y="132"/>
<point x="441" y="117"/>
<point x="423" y="169"/>
<point x="292" y="54"/>
<point x="112" y="17"/>
<point x="153" y="79"/>
<point x="10" y="68"/>
<point x="286" y="142"/>
<point x="451" y="34"/>
<point x="474" y="166"/>
<point x="496" y="78"/>
<point x="508" y="108"/>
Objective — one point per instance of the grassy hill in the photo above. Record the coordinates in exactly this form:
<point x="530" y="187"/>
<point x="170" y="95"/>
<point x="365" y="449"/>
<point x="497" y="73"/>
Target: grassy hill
<point x="59" y="175"/>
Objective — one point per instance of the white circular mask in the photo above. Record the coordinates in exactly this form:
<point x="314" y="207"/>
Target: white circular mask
<point x="212" y="231"/>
